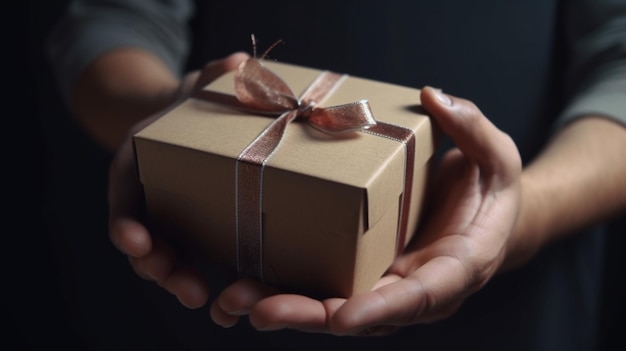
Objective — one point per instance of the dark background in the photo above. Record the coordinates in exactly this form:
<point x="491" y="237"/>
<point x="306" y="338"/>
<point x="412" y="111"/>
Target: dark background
<point x="37" y="311"/>
<point x="61" y="272"/>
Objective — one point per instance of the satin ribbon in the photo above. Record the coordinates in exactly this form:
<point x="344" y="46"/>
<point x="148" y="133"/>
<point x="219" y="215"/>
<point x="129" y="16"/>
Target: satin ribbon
<point x="260" y="91"/>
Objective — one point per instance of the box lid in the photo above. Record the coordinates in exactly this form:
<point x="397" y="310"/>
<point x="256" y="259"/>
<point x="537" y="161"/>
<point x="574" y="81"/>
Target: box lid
<point x="362" y="161"/>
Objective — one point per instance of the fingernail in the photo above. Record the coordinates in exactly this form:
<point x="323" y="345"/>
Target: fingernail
<point x="443" y="98"/>
<point x="233" y="311"/>
<point x="229" y="324"/>
<point x="269" y="327"/>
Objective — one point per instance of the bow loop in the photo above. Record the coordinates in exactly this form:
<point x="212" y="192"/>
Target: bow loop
<point x="261" y="89"/>
<point x="345" y="118"/>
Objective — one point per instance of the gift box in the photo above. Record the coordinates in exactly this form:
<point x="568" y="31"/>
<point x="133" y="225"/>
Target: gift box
<point x="319" y="208"/>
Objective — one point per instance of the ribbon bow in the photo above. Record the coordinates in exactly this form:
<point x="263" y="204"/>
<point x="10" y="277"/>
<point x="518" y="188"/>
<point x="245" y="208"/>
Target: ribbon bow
<point x="262" y="91"/>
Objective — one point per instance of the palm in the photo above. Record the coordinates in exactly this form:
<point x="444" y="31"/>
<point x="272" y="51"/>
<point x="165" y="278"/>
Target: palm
<point x="458" y="248"/>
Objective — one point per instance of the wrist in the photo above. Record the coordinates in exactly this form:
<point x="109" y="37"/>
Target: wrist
<point x="118" y="90"/>
<point x="527" y="235"/>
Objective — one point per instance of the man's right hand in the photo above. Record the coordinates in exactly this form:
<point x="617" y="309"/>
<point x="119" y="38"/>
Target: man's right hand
<point x="150" y="257"/>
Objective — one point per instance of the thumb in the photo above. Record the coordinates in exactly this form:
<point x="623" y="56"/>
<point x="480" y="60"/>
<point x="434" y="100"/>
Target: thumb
<point x="477" y="138"/>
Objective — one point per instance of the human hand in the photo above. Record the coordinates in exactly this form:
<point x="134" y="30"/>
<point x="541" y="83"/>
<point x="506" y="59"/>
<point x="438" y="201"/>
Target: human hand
<point x="462" y="243"/>
<point x="150" y="257"/>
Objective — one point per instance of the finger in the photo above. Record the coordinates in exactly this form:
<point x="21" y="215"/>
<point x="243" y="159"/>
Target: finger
<point x="478" y="139"/>
<point x="294" y="312"/>
<point x="160" y="265"/>
<point x="418" y="298"/>
<point x="130" y="237"/>
<point x="188" y="286"/>
<point x="136" y="266"/>
<point x="269" y="310"/>
<point x="382" y="330"/>
<point x="387" y="279"/>
<point x="220" y="317"/>
<point x="239" y="297"/>
<point x="157" y="265"/>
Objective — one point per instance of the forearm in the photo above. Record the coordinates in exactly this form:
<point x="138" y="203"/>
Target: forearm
<point x="119" y="89"/>
<point x="578" y="180"/>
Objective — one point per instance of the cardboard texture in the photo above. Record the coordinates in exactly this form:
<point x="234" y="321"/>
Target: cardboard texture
<point x="330" y="203"/>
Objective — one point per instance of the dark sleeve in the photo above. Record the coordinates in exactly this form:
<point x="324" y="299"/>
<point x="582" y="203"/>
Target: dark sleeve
<point x="90" y="28"/>
<point x="596" y="33"/>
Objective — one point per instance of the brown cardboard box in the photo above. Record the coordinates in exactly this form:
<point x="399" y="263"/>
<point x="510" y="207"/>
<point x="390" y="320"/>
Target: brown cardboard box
<point x="330" y="204"/>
